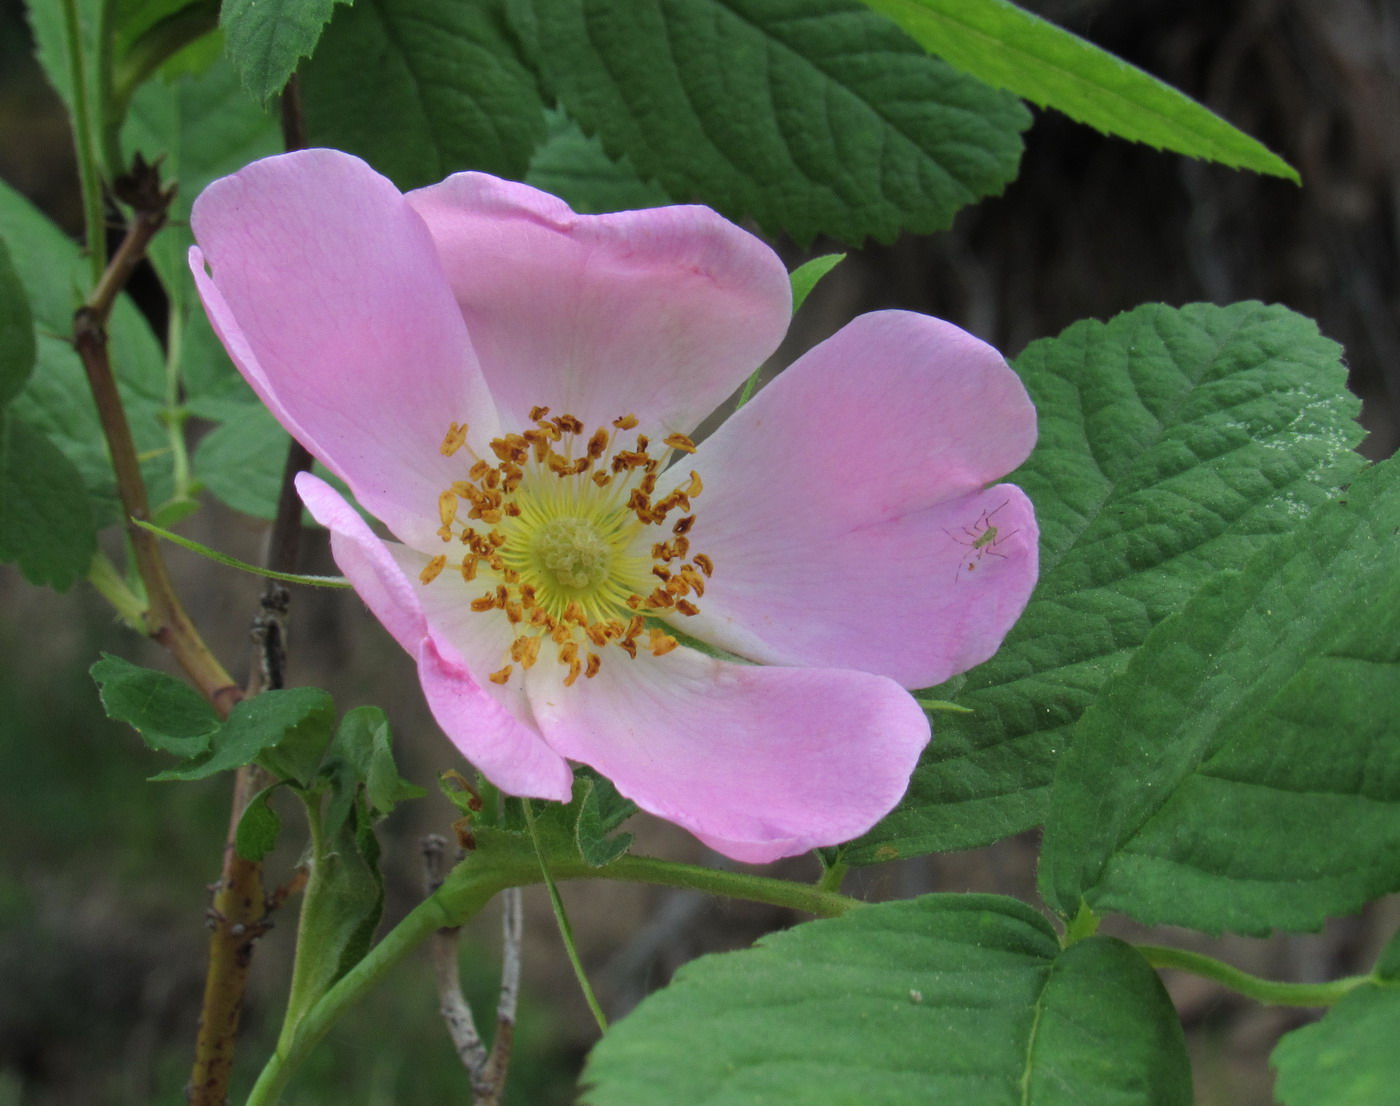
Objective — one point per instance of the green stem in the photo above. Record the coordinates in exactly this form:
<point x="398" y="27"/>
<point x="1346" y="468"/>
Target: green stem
<point x="507" y="860"/>
<point x="1267" y="991"/>
<point x="83" y="144"/>
<point x="566" y="931"/>
<point x="832" y="878"/>
<point x="108" y="583"/>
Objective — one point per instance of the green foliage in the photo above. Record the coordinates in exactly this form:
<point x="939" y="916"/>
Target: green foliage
<point x="46" y="524"/>
<point x="809" y="274"/>
<point x="811" y="116"/>
<point x="284" y="731"/>
<point x="1346" y="1059"/>
<point x="600" y="811"/>
<point x="168" y="714"/>
<point x="962" y="998"/>
<point x="1266" y="704"/>
<point x="242" y="460"/>
<point x="574" y="167"/>
<point x="340" y="910"/>
<point x="259" y="827"/>
<point x="363" y="741"/>
<point x="266" y="38"/>
<point x="1174" y="443"/>
<point x="17" y="349"/>
<point x="56" y="401"/>
<point x="448" y="90"/>
<point x="1008" y="47"/>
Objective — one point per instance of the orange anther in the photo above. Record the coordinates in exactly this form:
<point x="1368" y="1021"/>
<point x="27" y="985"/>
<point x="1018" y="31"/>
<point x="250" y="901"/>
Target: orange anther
<point x="502" y="676"/>
<point x="681" y="442"/>
<point x="432" y="568"/>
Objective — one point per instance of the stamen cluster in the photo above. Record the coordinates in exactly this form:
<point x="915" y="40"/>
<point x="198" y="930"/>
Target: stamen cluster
<point x="555" y="523"/>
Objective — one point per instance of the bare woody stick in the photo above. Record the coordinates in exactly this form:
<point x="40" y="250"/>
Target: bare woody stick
<point x="487" y="1072"/>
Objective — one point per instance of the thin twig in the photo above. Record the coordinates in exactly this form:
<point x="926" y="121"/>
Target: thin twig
<point x="452" y="1004"/>
<point x="512" y="932"/>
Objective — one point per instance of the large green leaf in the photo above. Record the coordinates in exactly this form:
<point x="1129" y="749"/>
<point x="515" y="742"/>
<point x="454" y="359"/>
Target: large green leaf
<point x="423" y="88"/>
<point x="1010" y="48"/>
<point x="1348" y="1058"/>
<point x="17" y="349"/>
<point x="266" y="38"/>
<point x="947" y="998"/>
<point x="574" y="167"/>
<point x="1242" y="772"/>
<point x="811" y="116"/>
<point x="46" y="523"/>
<point x="1173" y="444"/>
<point x="56" y="400"/>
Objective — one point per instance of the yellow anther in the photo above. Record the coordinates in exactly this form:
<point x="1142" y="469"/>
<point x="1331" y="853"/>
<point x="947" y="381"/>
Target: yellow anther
<point x="681" y="442"/>
<point x="432" y="568"/>
<point x="455" y="439"/>
<point x="660" y="643"/>
<point x="501" y="676"/>
<point x="625" y="422"/>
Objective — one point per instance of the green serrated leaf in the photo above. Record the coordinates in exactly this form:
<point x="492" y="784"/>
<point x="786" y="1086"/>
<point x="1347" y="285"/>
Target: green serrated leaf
<point x="574" y="167"/>
<point x="363" y="740"/>
<point x="811" y="116"/>
<point x="56" y="399"/>
<point x="601" y="810"/>
<point x="1008" y="47"/>
<point x="946" y="998"/>
<point x="46" y="523"/>
<point x="258" y="828"/>
<point x="1242" y="772"/>
<point x="449" y="90"/>
<point x="1173" y="443"/>
<point x="1346" y="1059"/>
<point x="265" y="39"/>
<point x="168" y="714"/>
<point x="809" y="274"/>
<point x="17" y="349"/>
<point x="285" y="731"/>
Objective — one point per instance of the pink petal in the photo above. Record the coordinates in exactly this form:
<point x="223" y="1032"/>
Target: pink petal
<point x="509" y="752"/>
<point x="835" y="505"/>
<point x="327" y="292"/>
<point x="481" y="639"/>
<point x="367" y="562"/>
<point x="759" y="763"/>
<point x="659" y="313"/>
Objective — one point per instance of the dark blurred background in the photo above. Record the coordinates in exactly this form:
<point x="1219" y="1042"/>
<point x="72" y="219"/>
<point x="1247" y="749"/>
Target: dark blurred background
<point x="103" y="882"/>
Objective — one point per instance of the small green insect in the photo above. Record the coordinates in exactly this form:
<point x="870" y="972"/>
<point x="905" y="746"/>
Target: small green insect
<point x="982" y="537"/>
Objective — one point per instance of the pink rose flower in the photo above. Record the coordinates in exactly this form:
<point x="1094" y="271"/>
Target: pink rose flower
<point x="509" y="387"/>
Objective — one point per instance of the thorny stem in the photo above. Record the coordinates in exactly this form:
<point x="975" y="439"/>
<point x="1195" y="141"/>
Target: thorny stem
<point x="165" y="619"/>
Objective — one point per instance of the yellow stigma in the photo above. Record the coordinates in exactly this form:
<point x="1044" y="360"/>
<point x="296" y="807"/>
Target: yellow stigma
<point x="555" y="529"/>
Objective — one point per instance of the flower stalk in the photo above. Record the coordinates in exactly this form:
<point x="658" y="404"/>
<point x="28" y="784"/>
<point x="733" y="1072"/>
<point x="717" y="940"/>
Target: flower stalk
<point x="500" y="862"/>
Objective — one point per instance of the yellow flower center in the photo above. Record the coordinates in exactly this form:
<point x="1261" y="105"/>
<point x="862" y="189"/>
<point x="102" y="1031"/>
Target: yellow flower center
<point x="555" y="525"/>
